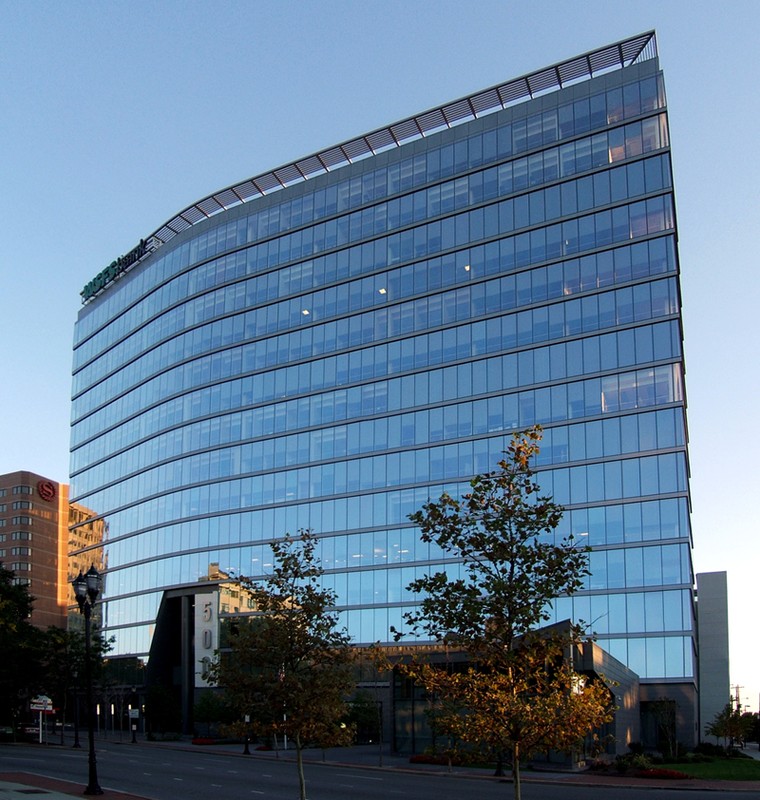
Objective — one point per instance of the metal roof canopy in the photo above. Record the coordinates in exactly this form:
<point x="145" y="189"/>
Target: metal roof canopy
<point x="582" y="67"/>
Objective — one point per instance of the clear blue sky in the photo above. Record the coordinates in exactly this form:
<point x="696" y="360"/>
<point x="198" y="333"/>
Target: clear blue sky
<point x="116" y="115"/>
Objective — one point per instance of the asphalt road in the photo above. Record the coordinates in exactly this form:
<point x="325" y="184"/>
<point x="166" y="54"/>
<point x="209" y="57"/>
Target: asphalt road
<point x="165" y="774"/>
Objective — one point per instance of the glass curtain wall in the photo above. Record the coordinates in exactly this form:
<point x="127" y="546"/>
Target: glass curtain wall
<point x="335" y="354"/>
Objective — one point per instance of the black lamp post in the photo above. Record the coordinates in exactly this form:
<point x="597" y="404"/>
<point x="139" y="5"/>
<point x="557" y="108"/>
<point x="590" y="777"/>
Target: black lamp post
<point x="87" y="589"/>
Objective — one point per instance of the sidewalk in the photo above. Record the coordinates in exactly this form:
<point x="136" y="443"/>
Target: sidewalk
<point x="53" y="788"/>
<point x="752" y="752"/>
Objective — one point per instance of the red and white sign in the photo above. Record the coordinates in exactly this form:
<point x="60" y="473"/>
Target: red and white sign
<point x="41" y="703"/>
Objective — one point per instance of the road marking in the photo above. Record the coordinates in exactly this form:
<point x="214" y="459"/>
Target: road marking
<point x="360" y="777"/>
<point x="177" y="779"/>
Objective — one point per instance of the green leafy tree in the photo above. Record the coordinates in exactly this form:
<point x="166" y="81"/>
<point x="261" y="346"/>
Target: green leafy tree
<point x="21" y="676"/>
<point x="289" y="666"/>
<point x="364" y="715"/>
<point x="664" y="712"/>
<point x="730" y="725"/>
<point x="753" y="726"/>
<point x="62" y="656"/>
<point x="519" y="692"/>
<point x="62" y="663"/>
<point x="211" y="708"/>
<point x="15" y="603"/>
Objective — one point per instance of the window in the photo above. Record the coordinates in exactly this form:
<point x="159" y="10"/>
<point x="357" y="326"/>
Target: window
<point x="19" y="504"/>
<point x="21" y="551"/>
<point x="22" y="490"/>
<point x="21" y="536"/>
<point x="22" y="520"/>
<point x="2" y="506"/>
<point x="21" y="566"/>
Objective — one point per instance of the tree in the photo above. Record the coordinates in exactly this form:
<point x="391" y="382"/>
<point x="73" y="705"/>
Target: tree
<point x="364" y="715"/>
<point x="21" y="644"/>
<point x="289" y="666"/>
<point x="518" y="691"/>
<point x="753" y="726"/>
<point x="211" y="708"/>
<point x="62" y="662"/>
<point x="664" y="712"/>
<point x="730" y="724"/>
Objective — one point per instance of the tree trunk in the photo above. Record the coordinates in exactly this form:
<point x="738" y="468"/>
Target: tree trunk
<point x="516" y="772"/>
<point x="299" y="762"/>
<point x="515" y="750"/>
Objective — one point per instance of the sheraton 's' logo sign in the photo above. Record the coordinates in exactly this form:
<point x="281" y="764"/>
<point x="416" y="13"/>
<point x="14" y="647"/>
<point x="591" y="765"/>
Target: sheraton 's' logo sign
<point x="46" y="490"/>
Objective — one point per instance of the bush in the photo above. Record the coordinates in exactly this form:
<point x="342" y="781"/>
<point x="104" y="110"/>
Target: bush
<point x="599" y="764"/>
<point x="695" y="758"/>
<point x="632" y="761"/>
<point x="710" y="749"/>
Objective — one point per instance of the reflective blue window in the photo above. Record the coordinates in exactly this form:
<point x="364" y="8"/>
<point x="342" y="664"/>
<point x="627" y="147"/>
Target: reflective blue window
<point x="335" y="356"/>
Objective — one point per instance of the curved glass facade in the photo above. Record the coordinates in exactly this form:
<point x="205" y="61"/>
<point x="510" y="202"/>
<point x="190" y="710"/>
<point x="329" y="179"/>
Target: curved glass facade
<point x="332" y="355"/>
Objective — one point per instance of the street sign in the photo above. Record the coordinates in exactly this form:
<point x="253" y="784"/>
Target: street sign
<point x="41" y="703"/>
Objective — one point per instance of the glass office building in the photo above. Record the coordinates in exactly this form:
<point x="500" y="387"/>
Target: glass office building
<point x="332" y="343"/>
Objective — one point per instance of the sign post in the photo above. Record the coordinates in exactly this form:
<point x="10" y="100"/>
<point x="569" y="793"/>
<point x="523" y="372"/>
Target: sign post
<point x="134" y="715"/>
<point x="44" y="705"/>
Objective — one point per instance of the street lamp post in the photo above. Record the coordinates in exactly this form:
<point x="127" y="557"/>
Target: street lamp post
<point x="87" y="589"/>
